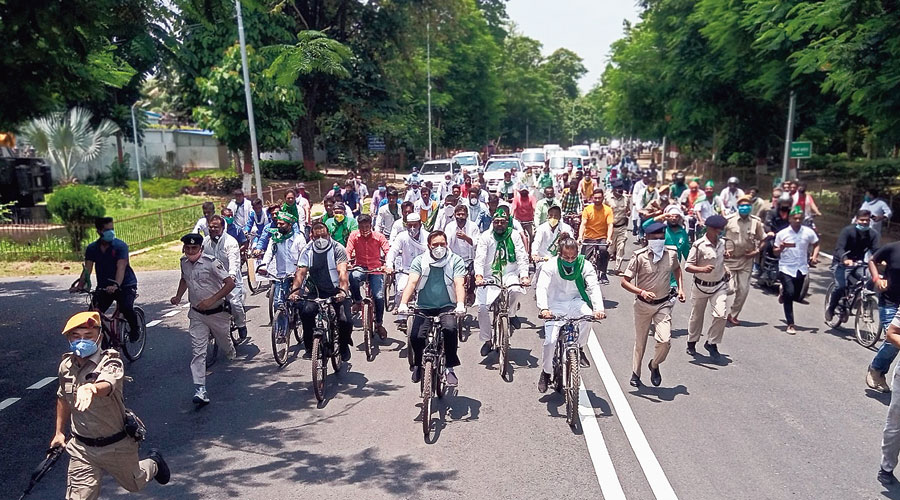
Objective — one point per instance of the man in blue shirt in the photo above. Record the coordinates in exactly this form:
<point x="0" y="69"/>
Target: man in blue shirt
<point x="115" y="278"/>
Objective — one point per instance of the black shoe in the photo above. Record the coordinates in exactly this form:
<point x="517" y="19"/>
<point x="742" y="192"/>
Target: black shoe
<point x="635" y="380"/>
<point x="713" y="350"/>
<point x="133" y="335"/>
<point x="307" y="354"/>
<point x="487" y="348"/>
<point x="345" y="353"/>
<point x="829" y="316"/>
<point x="604" y="280"/>
<point x="416" y="374"/>
<point x="515" y="322"/>
<point x="886" y="478"/>
<point x="543" y="382"/>
<point x="692" y="348"/>
<point x="162" y="469"/>
<point x="583" y="361"/>
<point x="242" y="332"/>
<point x="655" y="376"/>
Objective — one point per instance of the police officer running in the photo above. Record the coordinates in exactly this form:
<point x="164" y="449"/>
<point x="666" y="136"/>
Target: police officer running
<point x="746" y="232"/>
<point x="707" y="262"/>
<point x="90" y="401"/>
<point x="208" y="284"/>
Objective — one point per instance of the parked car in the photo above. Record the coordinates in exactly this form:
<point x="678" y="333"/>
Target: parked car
<point x="469" y="160"/>
<point x="533" y="157"/>
<point x="434" y="170"/>
<point x="559" y="161"/>
<point x="496" y="166"/>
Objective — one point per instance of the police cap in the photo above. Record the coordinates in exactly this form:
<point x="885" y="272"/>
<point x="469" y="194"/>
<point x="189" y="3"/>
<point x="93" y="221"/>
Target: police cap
<point x="656" y="227"/>
<point x="192" y="239"/>
<point x="716" y="222"/>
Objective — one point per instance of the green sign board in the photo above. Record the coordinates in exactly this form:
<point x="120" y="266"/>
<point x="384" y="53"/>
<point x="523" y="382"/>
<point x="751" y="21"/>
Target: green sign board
<point x="801" y="149"/>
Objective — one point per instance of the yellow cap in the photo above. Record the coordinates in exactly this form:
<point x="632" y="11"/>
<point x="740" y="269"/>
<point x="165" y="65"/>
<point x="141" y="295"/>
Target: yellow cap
<point x="89" y="319"/>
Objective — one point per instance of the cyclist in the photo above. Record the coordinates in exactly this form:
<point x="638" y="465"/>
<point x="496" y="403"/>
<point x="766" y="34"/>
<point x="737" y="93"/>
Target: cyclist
<point x="241" y="207"/>
<point x="407" y="246"/>
<point x="730" y="196"/>
<point x="854" y="242"/>
<point x="388" y="213"/>
<point x="547" y="238"/>
<point x="256" y="221"/>
<point x="116" y="280"/>
<point x="351" y="198"/>
<point x="340" y="226"/>
<point x="399" y="226"/>
<point x="285" y="250"/>
<point x="542" y="208"/>
<point x="427" y="208"/>
<point x="437" y="276"/>
<point x="586" y="189"/>
<point x="366" y="248"/>
<point x="523" y="207"/>
<point x="500" y="253"/>
<point x="792" y="245"/>
<point x="879" y="209"/>
<point x="689" y="198"/>
<point x="507" y="187"/>
<point x="299" y="208"/>
<point x="202" y="225"/>
<point x="224" y="248"/>
<point x="461" y="239"/>
<point x="412" y="192"/>
<point x="484" y="211"/>
<point x="233" y="229"/>
<point x="571" y="202"/>
<point x="597" y="227"/>
<point x="678" y="186"/>
<point x="322" y="269"/>
<point x="566" y="286"/>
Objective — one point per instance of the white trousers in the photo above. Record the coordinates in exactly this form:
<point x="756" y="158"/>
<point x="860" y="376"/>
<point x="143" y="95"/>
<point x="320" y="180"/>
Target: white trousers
<point x="402" y="280"/>
<point x="200" y="327"/>
<point x="236" y="298"/>
<point x="890" y="441"/>
<point x="572" y="308"/>
<point x="485" y="296"/>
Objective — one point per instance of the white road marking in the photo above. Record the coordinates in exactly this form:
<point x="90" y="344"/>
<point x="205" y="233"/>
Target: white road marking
<point x="153" y="323"/>
<point x="659" y="483"/>
<point x="8" y="402"/>
<point x="41" y="383"/>
<point x="603" y="466"/>
<point x="170" y="314"/>
<point x="826" y="255"/>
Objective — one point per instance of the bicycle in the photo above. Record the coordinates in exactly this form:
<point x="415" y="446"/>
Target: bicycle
<point x="286" y="320"/>
<point x="248" y="269"/>
<point x="212" y="348"/>
<point x="601" y="245"/>
<point x="325" y="345"/>
<point x="566" y="359"/>
<point x="406" y="325"/>
<point x="500" y="323"/>
<point x="367" y="314"/>
<point x="116" y="330"/>
<point x="390" y="295"/>
<point x="859" y="300"/>
<point x="434" y="378"/>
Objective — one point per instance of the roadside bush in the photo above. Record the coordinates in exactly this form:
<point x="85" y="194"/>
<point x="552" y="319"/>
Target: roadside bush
<point x="160" y="187"/>
<point x="741" y="159"/>
<point x="118" y="172"/>
<point x="288" y="170"/>
<point x="213" y="185"/>
<point x="77" y="207"/>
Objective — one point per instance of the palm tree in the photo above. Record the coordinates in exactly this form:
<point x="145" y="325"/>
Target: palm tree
<point x="67" y="139"/>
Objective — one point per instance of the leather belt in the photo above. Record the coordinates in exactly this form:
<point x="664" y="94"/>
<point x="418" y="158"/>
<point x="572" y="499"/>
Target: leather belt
<point x="225" y="307"/>
<point x="700" y="282"/>
<point x="656" y="302"/>
<point x="104" y="441"/>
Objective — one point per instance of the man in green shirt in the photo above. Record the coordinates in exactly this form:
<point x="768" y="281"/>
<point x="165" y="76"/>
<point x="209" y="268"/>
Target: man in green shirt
<point x="340" y="226"/>
<point x="544" y="204"/>
<point x="438" y="276"/>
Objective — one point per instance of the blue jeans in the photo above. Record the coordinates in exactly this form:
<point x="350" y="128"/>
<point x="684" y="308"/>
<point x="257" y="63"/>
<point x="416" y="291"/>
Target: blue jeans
<point x="376" y="287"/>
<point x="887" y="352"/>
<point x="280" y="289"/>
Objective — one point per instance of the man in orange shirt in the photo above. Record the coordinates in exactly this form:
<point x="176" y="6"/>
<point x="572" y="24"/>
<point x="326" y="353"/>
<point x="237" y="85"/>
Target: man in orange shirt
<point x="595" y="232"/>
<point x="586" y="188"/>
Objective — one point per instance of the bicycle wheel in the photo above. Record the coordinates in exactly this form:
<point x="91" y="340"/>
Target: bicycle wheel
<point x="427" y="385"/>
<point x="572" y="387"/>
<point x="212" y="351"/>
<point x="233" y="332"/>
<point x="336" y="354"/>
<point x="281" y="337"/>
<point x="440" y="380"/>
<point x="409" y="348"/>
<point x="389" y="295"/>
<point x="868" y="324"/>
<point x="503" y="346"/>
<point x="836" y="320"/>
<point x="134" y="348"/>
<point x="252" y="282"/>
<point x="367" y="327"/>
<point x="271" y="304"/>
<point x="320" y="368"/>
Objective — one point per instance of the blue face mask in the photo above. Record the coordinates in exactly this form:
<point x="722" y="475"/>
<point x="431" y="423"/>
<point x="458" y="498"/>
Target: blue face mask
<point x="745" y="209"/>
<point x="83" y="347"/>
<point x="861" y="227"/>
<point x="108" y="235"/>
<point x="867" y="198"/>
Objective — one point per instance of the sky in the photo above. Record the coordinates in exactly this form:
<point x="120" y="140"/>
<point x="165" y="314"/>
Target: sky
<point x="586" y="27"/>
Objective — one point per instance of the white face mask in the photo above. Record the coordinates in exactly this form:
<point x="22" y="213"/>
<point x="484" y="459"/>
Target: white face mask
<point x="657" y="247"/>
<point x="413" y="231"/>
<point x="321" y="244"/>
<point x="438" y="253"/>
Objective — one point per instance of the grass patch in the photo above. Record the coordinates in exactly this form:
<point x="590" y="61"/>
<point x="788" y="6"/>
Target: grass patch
<point x="160" y="187"/>
<point x="163" y="257"/>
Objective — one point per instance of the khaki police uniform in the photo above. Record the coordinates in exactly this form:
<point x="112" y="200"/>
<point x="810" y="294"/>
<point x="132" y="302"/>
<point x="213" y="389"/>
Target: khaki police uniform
<point x="652" y="277"/>
<point x="103" y="420"/>
<point x="204" y="279"/>
<point x="709" y="288"/>
<point x="746" y="235"/>
<point x="621" y="208"/>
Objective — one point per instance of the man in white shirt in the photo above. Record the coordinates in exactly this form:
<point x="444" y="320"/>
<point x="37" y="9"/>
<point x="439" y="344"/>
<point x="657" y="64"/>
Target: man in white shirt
<point x="445" y="187"/>
<point x="224" y="248"/>
<point x="388" y="213"/>
<point x="412" y="194"/>
<point x="462" y="236"/>
<point x="202" y="225"/>
<point x="730" y="196"/>
<point x="241" y="207"/>
<point x="792" y="246"/>
<point x="547" y="237"/>
<point x="878" y="208"/>
<point x="399" y="226"/>
<point x="404" y="247"/>
<point x="566" y="287"/>
<point x="282" y="254"/>
<point x="361" y="189"/>
<point x="500" y="254"/>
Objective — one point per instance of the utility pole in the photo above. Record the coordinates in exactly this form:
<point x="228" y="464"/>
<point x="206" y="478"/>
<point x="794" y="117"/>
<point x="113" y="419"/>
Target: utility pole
<point x="788" y="137"/>
<point x="573" y="123"/>
<point x="137" y="154"/>
<point x="253" y="147"/>
<point x="662" y="160"/>
<point x="428" y="64"/>
<point x="526" y="133"/>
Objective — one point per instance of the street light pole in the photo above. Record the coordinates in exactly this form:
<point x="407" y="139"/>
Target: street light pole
<point x="787" y="139"/>
<point x="137" y="154"/>
<point x="253" y="147"/>
<point x="428" y="65"/>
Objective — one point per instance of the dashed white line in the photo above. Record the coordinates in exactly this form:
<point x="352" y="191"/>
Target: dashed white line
<point x="653" y="471"/>
<point x="170" y="314"/>
<point x="40" y="383"/>
<point x="153" y="323"/>
<point x="603" y="466"/>
<point x="6" y="403"/>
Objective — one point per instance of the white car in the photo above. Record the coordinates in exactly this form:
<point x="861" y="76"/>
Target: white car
<point x="560" y="160"/>
<point x="434" y="170"/>
<point x="581" y="150"/>
<point x="469" y="160"/>
<point x="496" y="166"/>
<point x="551" y="149"/>
<point x="533" y="157"/>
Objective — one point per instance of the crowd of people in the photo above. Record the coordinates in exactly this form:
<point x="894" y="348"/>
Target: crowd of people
<point x="567" y="231"/>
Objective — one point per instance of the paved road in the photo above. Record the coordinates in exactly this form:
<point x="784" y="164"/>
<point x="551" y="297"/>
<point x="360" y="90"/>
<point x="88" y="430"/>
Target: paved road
<point x="782" y="417"/>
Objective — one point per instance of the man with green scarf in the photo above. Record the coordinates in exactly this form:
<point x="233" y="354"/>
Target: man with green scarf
<point x="340" y="226"/>
<point x="567" y="287"/>
<point x="500" y="254"/>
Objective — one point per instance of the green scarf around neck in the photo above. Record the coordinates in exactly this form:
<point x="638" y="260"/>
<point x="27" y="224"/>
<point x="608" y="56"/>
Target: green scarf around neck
<point x="576" y="273"/>
<point x="506" y="250"/>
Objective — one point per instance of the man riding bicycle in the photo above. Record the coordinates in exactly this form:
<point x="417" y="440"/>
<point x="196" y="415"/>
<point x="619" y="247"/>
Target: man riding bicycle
<point x="853" y="243"/>
<point x="115" y="278"/>
<point x="407" y="246"/>
<point x="461" y="239"/>
<point x="286" y="245"/>
<point x="367" y="248"/>
<point x="437" y="276"/>
<point x="597" y="231"/>
<point x="567" y="286"/>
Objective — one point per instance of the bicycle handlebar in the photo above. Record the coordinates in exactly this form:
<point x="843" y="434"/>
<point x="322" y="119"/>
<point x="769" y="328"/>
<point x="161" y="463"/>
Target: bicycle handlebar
<point x="501" y="286"/>
<point x="574" y="319"/>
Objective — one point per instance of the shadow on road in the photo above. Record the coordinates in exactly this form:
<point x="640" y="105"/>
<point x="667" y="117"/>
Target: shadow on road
<point x="659" y="394"/>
